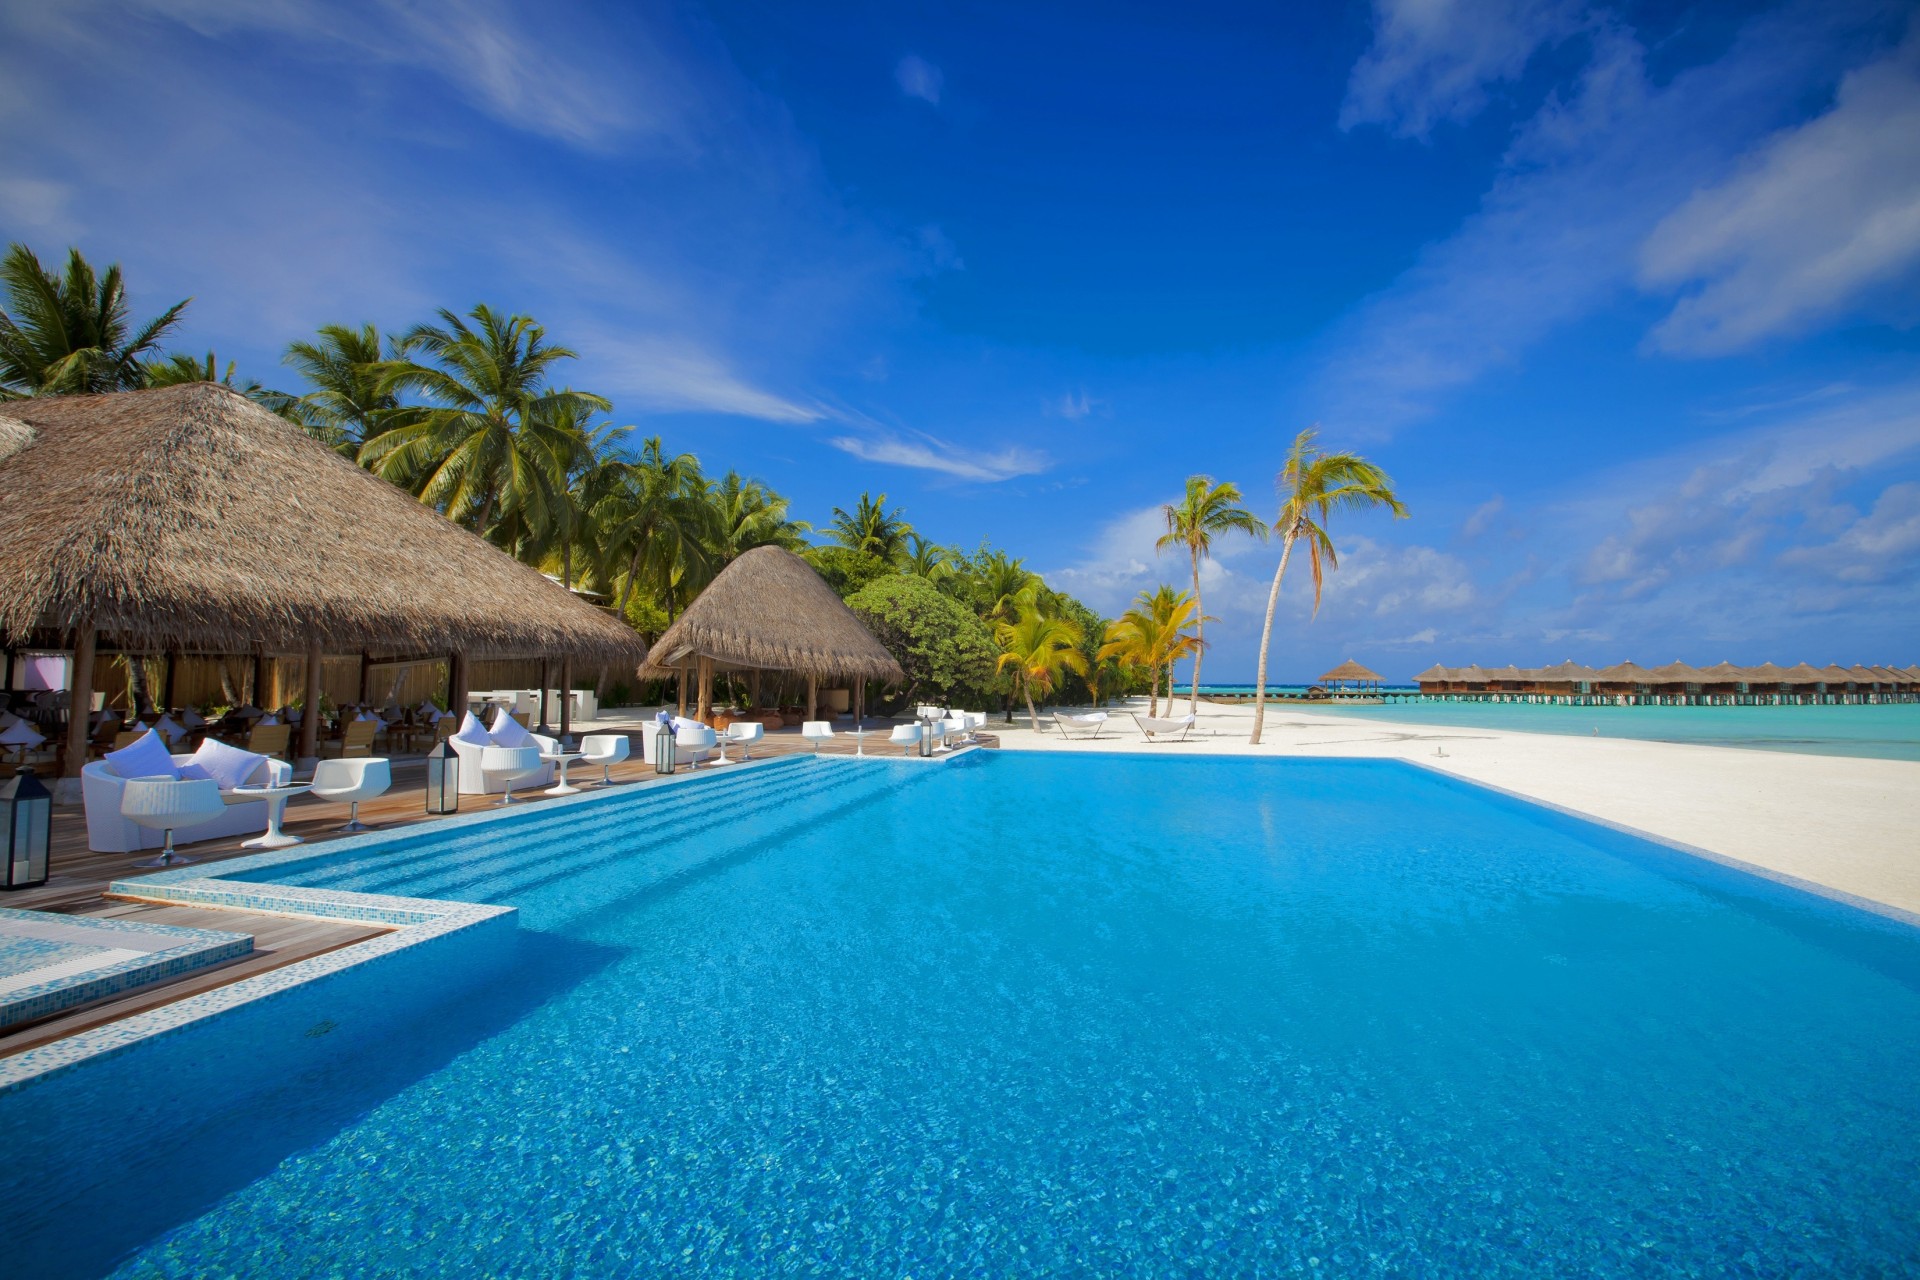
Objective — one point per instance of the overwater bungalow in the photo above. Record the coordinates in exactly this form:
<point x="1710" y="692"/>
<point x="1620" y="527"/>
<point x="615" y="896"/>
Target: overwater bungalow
<point x="1675" y="683"/>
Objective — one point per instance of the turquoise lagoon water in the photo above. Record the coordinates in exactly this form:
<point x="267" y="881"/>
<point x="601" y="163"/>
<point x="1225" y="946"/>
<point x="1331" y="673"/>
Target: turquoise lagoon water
<point x="1071" y="1015"/>
<point x="1886" y="732"/>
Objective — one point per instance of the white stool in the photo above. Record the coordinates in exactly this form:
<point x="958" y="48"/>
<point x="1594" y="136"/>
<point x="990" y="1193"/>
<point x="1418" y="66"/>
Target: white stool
<point x="351" y="781"/>
<point x="605" y="750"/>
<point x="744" y="733"/>
<point x="167" y="804"/>
<point x="507" y="765"/>
<point x="817" y="732"/>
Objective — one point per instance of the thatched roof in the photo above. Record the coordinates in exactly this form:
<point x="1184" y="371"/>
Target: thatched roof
<point x="1803" y="673"/>
<point x="1678" y="672"/>
<point x="1834" y="673"/>
<point x="15" y="435"/>
<point x="1722" y="672"/>
<point x="1570" y="672"/>
<point x="1432" y="674"/>
<point x="190" y="518"/>
<point x="1350" y="670"/>
<point x="1765" y="673"/>
<point x="1628" y="672"/>
<point x="770" y="610"/>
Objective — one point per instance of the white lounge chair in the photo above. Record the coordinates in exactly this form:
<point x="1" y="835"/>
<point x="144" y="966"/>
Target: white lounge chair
<point x="1161" y="730"/>
<point x="350" y="782"/>
<point x="817" y="732"/>
<point x="168" y="805"/>
<point x="605" y="750"/>
<point x="508" y="765"/>
<point x="907" y="736"/>
<point x="1087" y="725"/>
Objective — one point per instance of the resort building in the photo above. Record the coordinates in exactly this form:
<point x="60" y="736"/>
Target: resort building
<point x="1674" y="684"/>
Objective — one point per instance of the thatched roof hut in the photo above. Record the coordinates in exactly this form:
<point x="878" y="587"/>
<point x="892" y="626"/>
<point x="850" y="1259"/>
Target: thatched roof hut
<point x="1834" y="673"/>
<point x="1435" y="674"/>
<point x="1677" y="672"/>
<point x="190" y="518"/>
<point x="1628" y="672"/>
<point x="1350" y="672"/>
<point x="1803" y="673"/>
<point x="1765" y="673"/>
<point x="769" y="611"/>
<point x="1568" y="672"/>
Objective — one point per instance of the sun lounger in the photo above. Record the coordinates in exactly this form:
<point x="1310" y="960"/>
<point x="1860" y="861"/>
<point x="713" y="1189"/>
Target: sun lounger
<point x="1174" y="730"/>
<point x="1087" y="726"/>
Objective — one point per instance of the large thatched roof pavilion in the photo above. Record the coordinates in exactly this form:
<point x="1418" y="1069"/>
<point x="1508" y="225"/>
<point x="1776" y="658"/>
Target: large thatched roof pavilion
<point x="1352" y="675"/>
<point x="190" y="519"/>
<point x="769" y="611"/>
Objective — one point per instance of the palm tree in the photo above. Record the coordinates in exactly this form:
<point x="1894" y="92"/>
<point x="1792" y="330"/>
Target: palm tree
<point x="1037" y="649"/>
<point x="1152" y="636"/>
<point x="657" y="520"/>
<point x="70" y="335"/>
<point x="495" y="436"/>
<point x="872" y="528"/>
<point x="346" y="367"/>
<point x="1313" y="485"/>
<point x="926" y="559"/>
<point x="1205" y="511"/>
<point x="1004" y="585"/>
<point x="748" y="514"/>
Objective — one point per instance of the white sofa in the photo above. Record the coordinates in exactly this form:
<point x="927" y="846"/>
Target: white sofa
<point x="473" y="782"/>
<point x="108" y="832"/>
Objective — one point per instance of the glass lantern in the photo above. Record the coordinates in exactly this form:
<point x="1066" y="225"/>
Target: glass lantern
<point x="443" y="779"/>
<point x="26" y="809"/>
<point x="663" y="749"/>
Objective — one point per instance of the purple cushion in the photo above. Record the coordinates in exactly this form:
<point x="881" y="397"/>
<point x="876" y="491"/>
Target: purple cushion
<point x="508" y="732"/>
<point x="145" y="757"/>
<point x="473" y="732"/>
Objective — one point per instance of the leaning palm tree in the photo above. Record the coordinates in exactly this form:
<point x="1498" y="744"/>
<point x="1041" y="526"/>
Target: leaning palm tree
<point x="871" y="528"/>
<point x="495" y="435"/>
<point x="345" y="367"/>
<point x="70" y="334"/>
<point x="1313" y="485"/>
<point x="1205" y="511"/>
<point x="1037" y="649"/>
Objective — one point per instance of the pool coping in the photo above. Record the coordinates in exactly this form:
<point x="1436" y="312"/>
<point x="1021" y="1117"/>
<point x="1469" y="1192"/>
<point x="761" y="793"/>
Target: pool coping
<point x="193" y="949"/>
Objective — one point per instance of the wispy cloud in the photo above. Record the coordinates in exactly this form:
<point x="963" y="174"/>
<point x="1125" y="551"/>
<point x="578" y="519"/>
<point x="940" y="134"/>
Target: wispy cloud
<point x="925" y="453"/>
<point x="1072" y="406"/>
<point x="1432" y="61"/>
<point x="1816" y="216"/>
<point x="666" y="374"/>
<point x="919" y="78"/>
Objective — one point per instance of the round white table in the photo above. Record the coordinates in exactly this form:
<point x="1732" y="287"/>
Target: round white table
<point x="562" y="759"/>
<point x="276" y="798"/>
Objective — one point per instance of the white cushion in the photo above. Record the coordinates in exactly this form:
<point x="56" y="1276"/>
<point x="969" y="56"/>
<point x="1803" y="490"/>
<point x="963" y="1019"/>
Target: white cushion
<point x="229" y="766"/>
<point x="145" y="757"/>
<point x="508" y="732"/>
<point x="471" y="731"/>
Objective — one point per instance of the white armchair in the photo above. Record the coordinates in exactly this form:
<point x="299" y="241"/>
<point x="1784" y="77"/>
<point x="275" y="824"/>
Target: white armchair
<point x="109" y="831"/>
<point x="474" y="781"/>
<point x="349" y="782"/>
<point x="605" y="750"/>
<point x="693" y="742"/>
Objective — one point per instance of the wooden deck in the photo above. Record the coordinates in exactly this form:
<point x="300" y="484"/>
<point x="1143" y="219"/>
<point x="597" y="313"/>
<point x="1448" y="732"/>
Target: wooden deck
<point x="78" y="879"/>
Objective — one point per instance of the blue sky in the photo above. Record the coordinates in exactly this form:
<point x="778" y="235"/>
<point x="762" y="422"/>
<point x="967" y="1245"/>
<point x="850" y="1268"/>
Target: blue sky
<point x="1624" y="297"/>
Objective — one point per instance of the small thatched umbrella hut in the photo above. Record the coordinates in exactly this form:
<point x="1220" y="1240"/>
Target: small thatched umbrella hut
<point x="190" y="519"/>
<point x="1351" y="675"/>
<point x="769" y="611"/>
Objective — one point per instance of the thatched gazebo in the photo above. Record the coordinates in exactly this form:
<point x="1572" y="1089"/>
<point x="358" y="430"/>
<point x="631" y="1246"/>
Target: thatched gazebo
<point x="189" y="519"/>
<point x="1352" y="675"/>
<point x="769" y="611"/>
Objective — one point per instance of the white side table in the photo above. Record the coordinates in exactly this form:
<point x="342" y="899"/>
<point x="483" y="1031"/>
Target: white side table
<point x="276" y="798"/>
<point x="562" y="759"/>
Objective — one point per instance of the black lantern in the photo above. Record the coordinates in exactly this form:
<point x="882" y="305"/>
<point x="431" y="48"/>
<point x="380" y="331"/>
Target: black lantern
<point x="926" y="738"/>
<point x="443" y="778"/>
<point x="26" y="809"/>
<point x="663" y="749"/>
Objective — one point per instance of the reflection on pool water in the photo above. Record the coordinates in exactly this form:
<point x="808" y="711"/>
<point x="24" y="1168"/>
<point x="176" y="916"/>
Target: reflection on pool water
<point x="1059" y="1014"/>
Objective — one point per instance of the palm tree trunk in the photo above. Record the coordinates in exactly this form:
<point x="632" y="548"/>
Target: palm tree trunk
<point x="137" y="690"/>
<point x="1199" y="637"/>
<point x="633" y="573"/>
<point x="1266" y="638"/>
<point x="1153" y="694"/>
<point x="1033" y="717"/>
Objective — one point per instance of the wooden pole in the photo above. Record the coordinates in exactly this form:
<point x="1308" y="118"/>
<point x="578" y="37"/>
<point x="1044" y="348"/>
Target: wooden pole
<point x="258" y="695"/>
<point x="166" y="683"/>
<point x="813" y="696"/>
<point x="546" y="682"/>
<point x="566" y="696"/>
<point x="680" y="689"/>
<point x="79" y="713"/>
<point x="457" y="692"/>
<point x="310" y="712"/>
<point x="704" y="713"/>
<point x="366" y="677"/>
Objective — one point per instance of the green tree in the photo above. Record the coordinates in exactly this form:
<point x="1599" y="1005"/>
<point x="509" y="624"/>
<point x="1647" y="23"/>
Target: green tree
<point x="180" y="369"/>
<point x="945" y="651"/>
<point x="1205" y="511"/>
<point x="495" y="435"/>
<point x="747" y="514"/>
<point x="71" y="334"/>
<point x="1152" y="636"/>
<point x="847" y="570"/>
<point x="872" y="528"/>
<point x="1037" y="650"/>
<point x="1313" y="485"/>
<point x="926" y="559"/>
<point x="347" y="368"/>
<point x="655" y="519"/>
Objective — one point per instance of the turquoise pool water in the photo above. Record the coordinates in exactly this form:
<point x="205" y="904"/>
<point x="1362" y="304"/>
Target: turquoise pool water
<point x="1072" y="1015"/>
<point x="1889" y="732"/>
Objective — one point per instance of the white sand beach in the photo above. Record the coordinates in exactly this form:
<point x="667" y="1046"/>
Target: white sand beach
<point x="1848" y="825"/>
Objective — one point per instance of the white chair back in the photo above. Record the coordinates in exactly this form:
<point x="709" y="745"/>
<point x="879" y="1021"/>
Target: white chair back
<point x="907" y="735"/>
<point x="169" y="803"/>
<point x="817" y="732"/>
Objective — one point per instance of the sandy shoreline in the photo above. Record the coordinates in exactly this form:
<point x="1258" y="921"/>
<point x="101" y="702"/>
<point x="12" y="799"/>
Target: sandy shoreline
<point x="1847" y="824"/>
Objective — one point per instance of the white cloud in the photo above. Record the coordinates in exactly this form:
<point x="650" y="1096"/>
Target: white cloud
<point x="1072" y="406"/>
<point x="1432" y="61"/>
<point x="1815" y="217"/>
<point x="669" y="374"/>
<point x="919" y="78"/>
<point x="1881" y="545"/>
<point x="1482" y="516"/>
<point x="33" y="202"/>
<point x="929" y="454"/>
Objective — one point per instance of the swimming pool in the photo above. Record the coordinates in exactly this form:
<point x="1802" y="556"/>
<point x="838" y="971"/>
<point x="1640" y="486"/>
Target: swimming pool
<point x="1061" y="1014"/>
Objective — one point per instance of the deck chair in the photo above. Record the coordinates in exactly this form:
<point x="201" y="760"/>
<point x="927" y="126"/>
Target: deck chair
<point x="1087" y="726"/>
<point x="270" y="739"/>
<point x="356" y="740"/>
<point x="1174" y="730"/>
